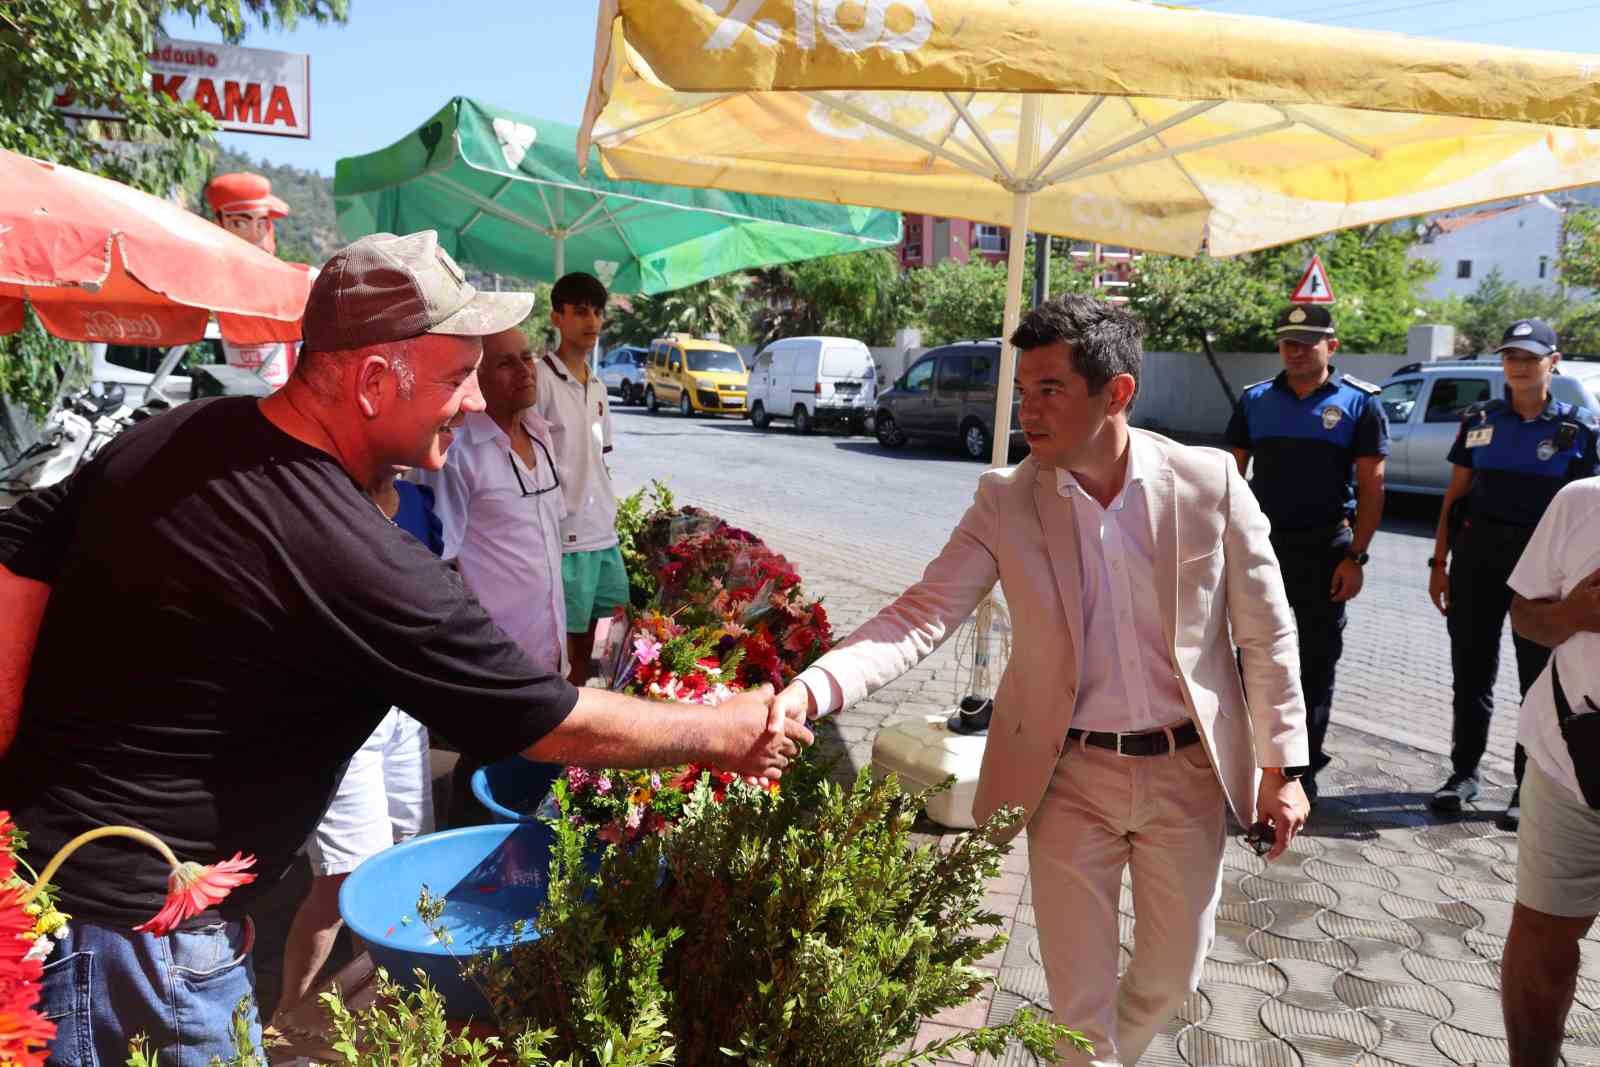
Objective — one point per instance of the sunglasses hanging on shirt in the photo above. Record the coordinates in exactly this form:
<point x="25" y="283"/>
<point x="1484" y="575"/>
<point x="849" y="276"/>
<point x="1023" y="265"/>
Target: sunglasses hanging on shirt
<point x="549" y="463"/>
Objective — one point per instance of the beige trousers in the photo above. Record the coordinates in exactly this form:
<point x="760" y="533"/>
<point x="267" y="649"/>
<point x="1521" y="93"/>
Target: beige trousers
<point x="1163" y="816"/>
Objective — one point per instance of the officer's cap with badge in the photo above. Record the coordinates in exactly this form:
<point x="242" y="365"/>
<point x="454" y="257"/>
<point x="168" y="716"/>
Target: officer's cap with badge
<point x="1530" y="335"/>
<point x="1305" y="323"/>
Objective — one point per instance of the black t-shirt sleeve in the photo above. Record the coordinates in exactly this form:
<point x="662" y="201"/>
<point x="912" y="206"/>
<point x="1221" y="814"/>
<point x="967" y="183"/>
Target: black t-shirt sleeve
<point x="1372" y="430"/>
<point x="35" y="534"/>
<point x="413" y="633"/>
<point x="1238" y="432"/>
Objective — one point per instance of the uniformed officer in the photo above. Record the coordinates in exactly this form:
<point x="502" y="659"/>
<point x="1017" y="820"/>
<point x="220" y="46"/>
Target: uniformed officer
<point x="1319" y="440"/>
<point x="1511" y="455"/>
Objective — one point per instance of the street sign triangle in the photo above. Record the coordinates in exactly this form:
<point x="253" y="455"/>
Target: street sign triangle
<point x="1314" y="287"/>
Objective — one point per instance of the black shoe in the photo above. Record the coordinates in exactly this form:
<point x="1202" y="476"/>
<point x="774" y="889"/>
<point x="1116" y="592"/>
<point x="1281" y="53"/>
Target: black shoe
<point x="1454" y="793"/>
<point x="1511" y="818"/>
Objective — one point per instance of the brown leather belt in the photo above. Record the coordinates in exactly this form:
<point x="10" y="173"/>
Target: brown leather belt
<point x="1141" y="744"/>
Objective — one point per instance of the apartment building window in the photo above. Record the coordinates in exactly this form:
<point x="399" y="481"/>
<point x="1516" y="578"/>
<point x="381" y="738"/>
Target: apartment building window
<point x="1463" y="268"/>
<point x="1544" y="266"/>
<point x="992" y="239"/>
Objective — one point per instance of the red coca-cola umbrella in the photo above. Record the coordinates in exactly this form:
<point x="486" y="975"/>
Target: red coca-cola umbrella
<point x="100" y="261"/>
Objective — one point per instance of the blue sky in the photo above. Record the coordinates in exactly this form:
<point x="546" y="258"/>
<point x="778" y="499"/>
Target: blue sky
<point x="397" y="61"/>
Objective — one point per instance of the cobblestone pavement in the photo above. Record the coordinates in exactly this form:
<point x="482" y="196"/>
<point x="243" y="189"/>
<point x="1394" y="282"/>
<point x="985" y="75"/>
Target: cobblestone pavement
<point x="1375" y="941"/>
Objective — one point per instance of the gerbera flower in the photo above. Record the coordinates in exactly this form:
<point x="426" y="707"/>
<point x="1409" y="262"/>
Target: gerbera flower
<point x="192" y="888"/>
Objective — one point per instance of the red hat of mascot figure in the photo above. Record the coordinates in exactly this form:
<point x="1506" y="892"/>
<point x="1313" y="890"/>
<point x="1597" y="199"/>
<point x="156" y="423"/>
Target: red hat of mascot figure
<point x="243" y="204"/>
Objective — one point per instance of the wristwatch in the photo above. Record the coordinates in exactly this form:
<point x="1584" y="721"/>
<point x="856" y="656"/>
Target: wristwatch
<point x="1432" y="563"/>
<point x="1292" y="774"/>
<point x="1358" y="558"/>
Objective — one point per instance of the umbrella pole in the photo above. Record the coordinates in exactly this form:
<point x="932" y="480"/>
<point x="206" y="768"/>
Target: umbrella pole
<point x="1027" y="148"/>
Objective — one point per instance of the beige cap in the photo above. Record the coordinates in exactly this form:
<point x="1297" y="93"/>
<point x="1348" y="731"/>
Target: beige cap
<point x="385" y="288"/>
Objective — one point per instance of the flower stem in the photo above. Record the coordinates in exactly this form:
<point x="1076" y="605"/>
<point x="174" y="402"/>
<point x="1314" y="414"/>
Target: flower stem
<point x="142" y="836"/>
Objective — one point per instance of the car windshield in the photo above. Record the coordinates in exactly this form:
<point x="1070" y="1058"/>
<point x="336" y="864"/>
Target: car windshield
<point x="711" y="359"/>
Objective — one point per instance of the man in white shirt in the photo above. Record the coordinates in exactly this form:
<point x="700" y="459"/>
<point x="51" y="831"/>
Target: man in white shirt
<point x="499" y="500"/>
<point x="1134" y="568"/>
<point x="573" y="400"/>
<point x="1557" y="604"/>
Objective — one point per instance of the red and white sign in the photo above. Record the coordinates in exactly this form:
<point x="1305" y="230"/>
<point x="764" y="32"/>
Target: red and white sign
<point x="1314" y="287"/>
<point x="247" y="90"/>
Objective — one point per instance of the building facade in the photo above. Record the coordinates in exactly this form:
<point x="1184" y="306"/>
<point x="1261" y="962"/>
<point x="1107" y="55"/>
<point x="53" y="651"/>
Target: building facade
<point x="1521" y="240"/>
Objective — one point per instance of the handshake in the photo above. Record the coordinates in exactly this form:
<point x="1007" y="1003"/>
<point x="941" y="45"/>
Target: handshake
<point x="770" y="729"/>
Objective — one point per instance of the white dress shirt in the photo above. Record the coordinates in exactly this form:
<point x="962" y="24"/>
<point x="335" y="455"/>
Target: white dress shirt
<point x="1128" y="683"/>
<point x="508" y="545"/>
<point x="579" y="415"/>
<point x="1561" y="554"/>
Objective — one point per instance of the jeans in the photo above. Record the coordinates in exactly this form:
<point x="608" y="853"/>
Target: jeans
<point x="103" y="986"/>
<point x="1481" y="560"/>
<point x="1308" y="563"/>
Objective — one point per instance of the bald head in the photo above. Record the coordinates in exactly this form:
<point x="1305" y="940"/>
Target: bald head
<point x="507" y="376"/>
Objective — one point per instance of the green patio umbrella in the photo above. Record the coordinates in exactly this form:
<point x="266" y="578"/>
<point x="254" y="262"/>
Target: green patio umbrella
<point x="504" y="192"/>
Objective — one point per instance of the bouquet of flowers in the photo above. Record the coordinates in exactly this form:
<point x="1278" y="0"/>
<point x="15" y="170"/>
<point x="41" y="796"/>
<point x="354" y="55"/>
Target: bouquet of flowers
<point x="727" y="614"/>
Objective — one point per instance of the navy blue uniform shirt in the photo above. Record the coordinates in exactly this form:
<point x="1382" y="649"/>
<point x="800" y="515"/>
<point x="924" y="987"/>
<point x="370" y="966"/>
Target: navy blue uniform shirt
<point x="1519" y="464"/>
<point x="1305" y="450"/>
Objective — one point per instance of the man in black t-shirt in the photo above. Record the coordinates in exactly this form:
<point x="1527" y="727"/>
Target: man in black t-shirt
<point x="222" y="617"/>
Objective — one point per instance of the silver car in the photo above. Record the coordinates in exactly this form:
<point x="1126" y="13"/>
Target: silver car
<point x="622" y="371"/>
<point x="1424" y="402"/>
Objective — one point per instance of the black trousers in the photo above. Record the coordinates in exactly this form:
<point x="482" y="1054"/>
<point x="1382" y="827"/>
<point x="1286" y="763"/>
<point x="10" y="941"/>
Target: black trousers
<point x="1308" y="562"/>
<point x="1481" y="560"/>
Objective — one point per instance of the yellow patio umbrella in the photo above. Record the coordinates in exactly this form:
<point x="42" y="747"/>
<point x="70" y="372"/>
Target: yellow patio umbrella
<point x="1130" y="123"/>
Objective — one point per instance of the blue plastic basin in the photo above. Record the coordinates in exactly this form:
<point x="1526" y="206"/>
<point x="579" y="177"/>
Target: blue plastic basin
<point x="512" y="788"/>
<point x="489" y="876"/>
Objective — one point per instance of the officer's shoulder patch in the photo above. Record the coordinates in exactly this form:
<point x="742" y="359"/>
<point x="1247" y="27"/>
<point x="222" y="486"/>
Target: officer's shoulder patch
<point x="1253" y="386"/>
<point x="1357" y="383"/>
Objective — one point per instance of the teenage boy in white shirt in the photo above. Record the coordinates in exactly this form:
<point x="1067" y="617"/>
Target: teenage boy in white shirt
<point x="573" y="400"/>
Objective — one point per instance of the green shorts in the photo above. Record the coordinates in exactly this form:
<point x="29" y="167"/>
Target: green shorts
<point x="596" y="585"/>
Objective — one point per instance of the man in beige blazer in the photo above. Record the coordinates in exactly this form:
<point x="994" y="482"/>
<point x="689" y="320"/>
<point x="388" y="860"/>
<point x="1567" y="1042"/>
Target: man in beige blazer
<point x="1134" y="569"/>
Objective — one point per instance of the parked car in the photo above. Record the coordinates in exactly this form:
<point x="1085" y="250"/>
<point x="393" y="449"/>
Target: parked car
<point x="947" y="395"/>
<point x="695" y="376"/>
<point x="815" y="381"/>
<point x="1424" y="403"/>
<point x="622" y="371"/>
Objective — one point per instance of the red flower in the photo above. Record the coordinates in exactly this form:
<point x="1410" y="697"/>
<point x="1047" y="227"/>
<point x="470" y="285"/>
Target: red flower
<point x="23" y="1031"/>
<point x="191" y="889"/>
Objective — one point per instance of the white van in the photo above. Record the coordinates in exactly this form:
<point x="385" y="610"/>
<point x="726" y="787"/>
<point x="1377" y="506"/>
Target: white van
<point x="816" y="381"/>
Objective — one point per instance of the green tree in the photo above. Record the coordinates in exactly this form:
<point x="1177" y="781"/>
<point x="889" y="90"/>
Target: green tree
<point x="1378" y="289"/>
<point x="97" y="50"/>
<point x="861" y="295"/>
<point x="714" y="306"/>
<point x="957" y="301"/>
<point x="1579" y="262"/>
<point x="1481" y="318"/>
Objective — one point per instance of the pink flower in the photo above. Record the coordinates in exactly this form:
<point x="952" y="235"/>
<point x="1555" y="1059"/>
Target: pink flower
<point x="646" y="648"/>
<point x="602" y="785"/>
<point x="191" y="889"/>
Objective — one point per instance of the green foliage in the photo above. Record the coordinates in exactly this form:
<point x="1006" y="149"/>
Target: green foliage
<point x="715" y="306"/>
<point x="801" y="930"/>
<point x="634" y="513"/>
<point x="861" y="295"/>
<point x="1481" y="319"/>
<point x="1580" y="253"/>
<point x="98" y="50"/>
<point x="409" y="1028"/>
<point x="35" y="367"/>
<point x="1378" y="291"/>
<point x="959" y="301"/>
<point x="139" y="1054"/>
